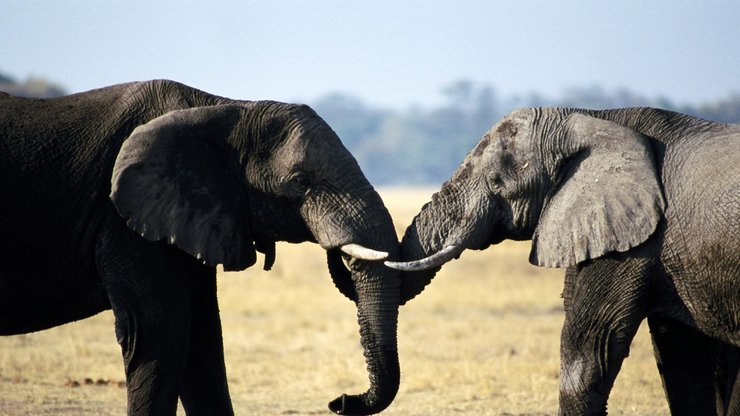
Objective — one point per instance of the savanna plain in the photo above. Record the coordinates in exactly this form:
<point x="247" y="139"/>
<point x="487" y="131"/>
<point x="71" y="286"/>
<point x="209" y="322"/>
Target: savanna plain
<point x="482" y="339"/>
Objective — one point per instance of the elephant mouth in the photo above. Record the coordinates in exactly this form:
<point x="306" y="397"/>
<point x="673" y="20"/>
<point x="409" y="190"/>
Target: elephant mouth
<point x="450" y="251"/>
<point x="340" y="274"/>
<point x="493" y="239"/>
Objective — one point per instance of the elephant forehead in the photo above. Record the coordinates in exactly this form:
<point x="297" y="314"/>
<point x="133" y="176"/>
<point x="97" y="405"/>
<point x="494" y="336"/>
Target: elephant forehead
<point x="494" y="144"/>
<point x="482" y="145"/>
<point x="507" y="128"/>
<point x="323" y="145"/>
<point x="516" y="124"/>
<point x="520" y="115"/>
<point x="309" y="149"/>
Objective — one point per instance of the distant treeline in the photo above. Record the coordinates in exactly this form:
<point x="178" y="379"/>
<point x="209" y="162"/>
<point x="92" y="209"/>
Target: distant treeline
<point x="421" y="146"/>
<point x="424" y="145"/>
<point x="32" y="87"/>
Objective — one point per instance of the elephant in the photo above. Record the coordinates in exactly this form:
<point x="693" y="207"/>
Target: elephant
<point x="642" y="208"/>
<point x="128" y="197"/>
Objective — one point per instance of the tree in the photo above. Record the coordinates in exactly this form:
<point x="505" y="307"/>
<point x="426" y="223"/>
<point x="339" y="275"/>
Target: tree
<point x="425" y="145"/>
<point x="32" y="87"/>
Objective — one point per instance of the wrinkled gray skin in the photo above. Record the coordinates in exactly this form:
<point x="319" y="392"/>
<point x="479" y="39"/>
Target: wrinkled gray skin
<point x="127" y="197"/>
<point x="643" y="208"/>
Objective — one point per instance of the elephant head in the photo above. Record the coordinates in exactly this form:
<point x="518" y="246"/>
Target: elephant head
<point x="578" y="186"/>
<point x="224" y="181"/>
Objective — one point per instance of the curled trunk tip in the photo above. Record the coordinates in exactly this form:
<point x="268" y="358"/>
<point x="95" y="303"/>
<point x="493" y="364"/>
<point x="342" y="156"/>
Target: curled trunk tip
<point x="384" y="383"/>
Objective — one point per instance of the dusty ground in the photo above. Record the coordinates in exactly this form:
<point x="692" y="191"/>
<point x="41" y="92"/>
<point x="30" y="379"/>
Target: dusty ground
<point x="481" y="340"/>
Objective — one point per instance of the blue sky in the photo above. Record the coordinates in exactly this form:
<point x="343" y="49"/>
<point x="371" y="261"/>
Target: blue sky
<point x="388" y="53"/>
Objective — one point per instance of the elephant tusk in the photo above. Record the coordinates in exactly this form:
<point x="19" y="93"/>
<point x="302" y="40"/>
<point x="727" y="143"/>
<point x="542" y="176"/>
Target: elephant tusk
<point x="363" y="253"/>
<point x="435" y="260"/>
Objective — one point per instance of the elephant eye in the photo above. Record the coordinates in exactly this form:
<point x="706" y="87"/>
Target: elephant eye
<point x="300" y="181"/>
<point x="495" y="181"/>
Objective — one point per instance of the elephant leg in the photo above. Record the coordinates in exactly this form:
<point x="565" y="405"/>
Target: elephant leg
<point x="150" y="293"/>
<point x="700" y="374"/>
<point x="154" y="353"/>
<point x="154" y="339"/>
<point x="604" y="307"/>
<point x="204" y="389"/>
<point x="728" y="379"/>
<point x="686" y="361"/>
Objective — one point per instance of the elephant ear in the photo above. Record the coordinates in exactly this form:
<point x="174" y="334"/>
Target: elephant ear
<point x="609" y="197"/>
<point x="176" y="178"/>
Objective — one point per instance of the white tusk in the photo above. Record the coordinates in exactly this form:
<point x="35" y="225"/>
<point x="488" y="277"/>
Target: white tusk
<point x="435" y="260"/>
<point x="363" y="253"/>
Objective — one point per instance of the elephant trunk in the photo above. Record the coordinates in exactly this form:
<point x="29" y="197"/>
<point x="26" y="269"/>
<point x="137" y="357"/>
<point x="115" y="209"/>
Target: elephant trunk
<point x="420" y="241"/>
<point x="377" y="312"/>
<point x="376" y="290"/>
<point x="451" y="222"/>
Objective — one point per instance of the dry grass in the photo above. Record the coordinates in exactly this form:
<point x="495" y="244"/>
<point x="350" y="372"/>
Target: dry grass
<point x="482" y="339"/>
